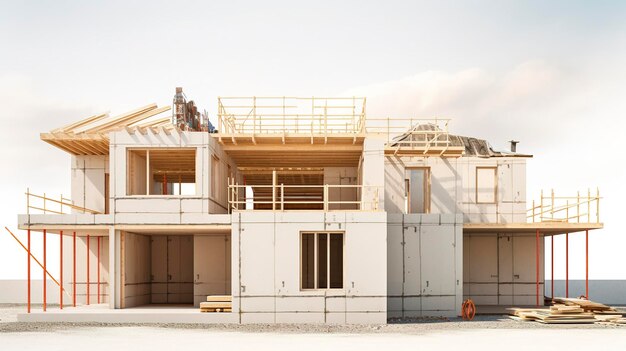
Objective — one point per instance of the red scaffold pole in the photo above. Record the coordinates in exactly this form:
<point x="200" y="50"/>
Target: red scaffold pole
<point x="44" y="270"/>
<point x="61" y="269"/>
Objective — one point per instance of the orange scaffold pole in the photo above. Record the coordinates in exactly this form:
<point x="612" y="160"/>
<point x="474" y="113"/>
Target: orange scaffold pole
<point x="33" y="257"/>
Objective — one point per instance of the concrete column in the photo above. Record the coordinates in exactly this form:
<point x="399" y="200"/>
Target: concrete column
<point x="114" y="268"/>
<point x="373" y="178"/>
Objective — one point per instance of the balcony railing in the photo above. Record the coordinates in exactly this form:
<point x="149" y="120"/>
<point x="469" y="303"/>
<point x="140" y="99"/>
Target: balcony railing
<point x="282" y="197"/>
<point x="290" y="115"/>
<point x="583" y="208"/>
<point x="48" y="205"/>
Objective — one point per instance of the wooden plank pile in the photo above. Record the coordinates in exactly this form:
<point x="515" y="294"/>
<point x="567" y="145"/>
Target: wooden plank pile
<point x="217" y="303"/>
<point x="570" y="311"/>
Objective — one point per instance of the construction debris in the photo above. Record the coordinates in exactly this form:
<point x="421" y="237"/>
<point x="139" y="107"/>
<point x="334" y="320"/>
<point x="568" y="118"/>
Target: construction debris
<point x="217" y="303"/>
<point x="570" y="311"/>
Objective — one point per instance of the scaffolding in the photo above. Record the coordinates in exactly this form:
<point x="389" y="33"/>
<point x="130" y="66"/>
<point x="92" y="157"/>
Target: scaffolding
<point x="285" y="115"/>
<point x="566" y="209"/>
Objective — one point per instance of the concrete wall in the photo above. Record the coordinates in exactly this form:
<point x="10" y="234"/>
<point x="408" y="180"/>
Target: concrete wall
<point x="342" y="176"/>
<point x="16" y="292"/>
<point x="212" y="266"/>
<point x="218" y="202"/>
<point x="609" y="292"/>
<point x="266" y="268"/>
<point x="81" y="268"/>
<point x="425" y="265"/>
<point x="453" y="187"/>
<point x="500" y="269"/>
<point x="171" y="269"/>
<point x="511" y="192"/>
<point x="88" y="185"/>
<point x="137" y="270"/>
<point x="169" y="207"/>
<point x="373" y="174"/>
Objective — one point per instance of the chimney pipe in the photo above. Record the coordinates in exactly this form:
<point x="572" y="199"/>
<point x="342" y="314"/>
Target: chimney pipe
<point x="513" y="145"/>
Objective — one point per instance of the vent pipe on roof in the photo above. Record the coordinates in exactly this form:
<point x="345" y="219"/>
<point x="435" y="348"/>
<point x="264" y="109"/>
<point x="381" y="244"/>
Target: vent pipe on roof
<point x="513" y="145"/>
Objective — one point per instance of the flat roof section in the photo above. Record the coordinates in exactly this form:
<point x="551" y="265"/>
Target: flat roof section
<point x="303" y="154"/>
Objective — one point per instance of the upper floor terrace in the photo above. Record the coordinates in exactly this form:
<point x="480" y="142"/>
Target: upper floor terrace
<point x="293" y="121"/>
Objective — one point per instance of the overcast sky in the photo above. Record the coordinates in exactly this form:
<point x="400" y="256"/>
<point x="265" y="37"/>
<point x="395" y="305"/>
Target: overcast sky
<point x="551" y="75"/>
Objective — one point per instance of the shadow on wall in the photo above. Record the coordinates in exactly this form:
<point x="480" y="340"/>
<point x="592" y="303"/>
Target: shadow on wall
<point x="442" y="197"/>
<point x="610" y="292"/>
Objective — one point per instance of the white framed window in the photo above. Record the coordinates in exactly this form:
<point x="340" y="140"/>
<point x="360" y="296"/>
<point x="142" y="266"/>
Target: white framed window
<point x="161" y="171"/>
<point x="321" y="260"/>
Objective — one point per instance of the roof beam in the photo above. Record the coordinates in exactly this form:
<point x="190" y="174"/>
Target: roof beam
<point x="134" y="119"/>
<point x="88" y="120"/>
<point x="118" y="119"/>
<point x="293" y="147"/>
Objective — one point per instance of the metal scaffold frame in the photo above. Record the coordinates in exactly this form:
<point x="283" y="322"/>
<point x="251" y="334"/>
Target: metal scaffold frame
<point x="47" y="274"/>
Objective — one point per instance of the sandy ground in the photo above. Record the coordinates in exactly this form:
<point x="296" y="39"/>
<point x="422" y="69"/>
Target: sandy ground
<point x="484" y="333"/>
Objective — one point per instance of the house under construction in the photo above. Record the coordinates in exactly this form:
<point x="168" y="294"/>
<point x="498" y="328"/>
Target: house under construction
<point x="290" y="210"/>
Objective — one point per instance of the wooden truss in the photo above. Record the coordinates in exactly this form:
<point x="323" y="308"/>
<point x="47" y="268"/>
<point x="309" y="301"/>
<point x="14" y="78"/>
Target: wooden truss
<point x="90" y="135"/>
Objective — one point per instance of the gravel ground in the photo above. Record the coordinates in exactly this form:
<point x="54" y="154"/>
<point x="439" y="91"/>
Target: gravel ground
<point x="9" y="324"/>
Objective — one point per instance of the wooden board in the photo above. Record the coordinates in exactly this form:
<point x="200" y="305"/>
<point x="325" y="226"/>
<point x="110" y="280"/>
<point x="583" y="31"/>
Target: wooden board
<point x="570" y="311"/>
<point x="216" y="310"/>
<point x="584" y="304"/>
<point x="215" y="305"/>
<point x="219" y="298"/>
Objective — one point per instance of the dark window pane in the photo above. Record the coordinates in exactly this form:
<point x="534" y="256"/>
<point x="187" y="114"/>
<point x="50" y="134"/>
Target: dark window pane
<point x="308" y="261"/>
<point x="336" y="261"/>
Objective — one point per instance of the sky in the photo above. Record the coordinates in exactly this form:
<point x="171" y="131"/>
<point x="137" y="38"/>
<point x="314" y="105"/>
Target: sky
<point x="549" y="74"/>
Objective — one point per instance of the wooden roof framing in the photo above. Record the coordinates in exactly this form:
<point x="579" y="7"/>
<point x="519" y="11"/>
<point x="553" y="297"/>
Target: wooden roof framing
<point x="90" y="135"/>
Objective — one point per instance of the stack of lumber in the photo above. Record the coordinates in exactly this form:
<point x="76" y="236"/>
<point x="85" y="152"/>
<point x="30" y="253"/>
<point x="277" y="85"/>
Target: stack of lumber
<point x="586" y="305"/>
<point x="611" y="318"/>
<point x="570" y="311"/>
<point x="217" y="303"/>
<point x="557" y="314"/>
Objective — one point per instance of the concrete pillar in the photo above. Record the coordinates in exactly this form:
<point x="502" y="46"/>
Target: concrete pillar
<point x="114" y="268"/>
<point x="373" y="173"/>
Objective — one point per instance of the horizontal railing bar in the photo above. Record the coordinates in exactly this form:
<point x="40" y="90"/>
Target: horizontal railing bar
<point x="45" y="210"/>
<point x="62" y="203"/>
<point x="290" y="97"/>
<point x="304" y="186"/>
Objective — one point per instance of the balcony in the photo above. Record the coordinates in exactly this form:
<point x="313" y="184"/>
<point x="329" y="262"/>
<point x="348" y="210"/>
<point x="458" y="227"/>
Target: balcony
<point x="303" y="197"/>
<point x="583" y="208"/>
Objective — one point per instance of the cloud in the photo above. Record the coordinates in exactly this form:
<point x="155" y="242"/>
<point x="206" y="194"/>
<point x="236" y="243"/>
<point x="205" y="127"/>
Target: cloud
<point x="474" y="98"/>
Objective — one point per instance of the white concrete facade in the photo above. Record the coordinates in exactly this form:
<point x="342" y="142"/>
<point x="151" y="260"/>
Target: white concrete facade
<point x="168" y="249"/>
<point x="454" y="200"/>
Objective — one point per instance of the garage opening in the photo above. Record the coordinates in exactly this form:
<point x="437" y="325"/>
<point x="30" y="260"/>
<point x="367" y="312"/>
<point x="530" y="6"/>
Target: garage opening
<point x="176" y="269"/>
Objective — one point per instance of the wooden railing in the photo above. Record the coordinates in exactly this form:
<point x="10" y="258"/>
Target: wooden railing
<point x="583" y="208"/>
<point x="411" y="132"/>
<point x="47" y="204"/>
<point x="282" y="197"/>
<point x="258" y="115"/>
